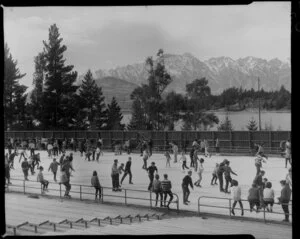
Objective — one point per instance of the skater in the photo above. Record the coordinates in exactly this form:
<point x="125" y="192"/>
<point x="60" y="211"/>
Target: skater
<point x="192" y="164"/>
<point x="183" y="159"/>
<point x="175" y="151"/>
<point x="214" y="175"/>
<point x="217" y="145"/>
<point x="7" y="169"/>
<point x="269" y="195"/>
<point x="202" y="147"/>
<point x="127" y="171"/>
<point x="187" y="180"/>
<point x="32" y="148"/>
<point x="168" y="159"/>
<point x="227" y="171"/>
<point x="71" y="163"/>
<point x="253" y="198"/>
<point x="195" y="159"/>
<point x="284" y="199"/>
<point x="195" y="144"/>
<point x="115" y="176"/>
<point x="55" y="148"/>
<point x="65" y="180"/>
<point x="258" y="163"/>
<point x="40" y="178"/>
<point x="25" y="168"/>
<point x="150" y="146"/>
<point x="288" y="156"/>
<point x="96" y="184"/>
<point x="220" y="172"/>
<point x="36" y="159"/>
<point x="30" y="164"/>
<point x="156" y="188"/>
<point x="260" y="150"/>
<point x="67" y="166"/>
<point x="199" y="172"/>
<point x="9" y="147"/>
<point x="166" y="186"/>
<point x="151" y="171"/>
<point x="145" y="158"/>
<point x="23" y="153"/>
<point x="98" y="152"/>
<point x="288" y="178"/>
<point x="53" y="167"/>
<point x="206" y="147"/>
<point x="236" y="193"/>
<point x="258" y="181"/>
<point x="11" y="159"/>
<point x="50" y="149"/>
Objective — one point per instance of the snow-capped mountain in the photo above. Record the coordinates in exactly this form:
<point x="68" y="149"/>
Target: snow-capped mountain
<point x="222" y="72"/>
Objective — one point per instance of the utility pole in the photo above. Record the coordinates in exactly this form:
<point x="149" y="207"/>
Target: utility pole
<point x="259" y="118"/>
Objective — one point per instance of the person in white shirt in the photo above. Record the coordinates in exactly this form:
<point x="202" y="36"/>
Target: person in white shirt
<point x="269" y="195"/>
<point x="175" y="151"/>
<point x="199" y="172"/>
<point x="145" y="158"/>
<point x="98" y="152"/>
<point x="236" y="193"/>
<point x="49" y="148"/>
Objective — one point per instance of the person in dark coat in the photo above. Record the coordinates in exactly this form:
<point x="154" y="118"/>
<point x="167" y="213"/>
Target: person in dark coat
<point x="186" y="182"/>
<point x="285" y="198"/>
<point x="220" y="172"/>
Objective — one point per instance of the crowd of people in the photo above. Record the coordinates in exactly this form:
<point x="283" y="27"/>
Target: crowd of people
<point x="260" y="195"/>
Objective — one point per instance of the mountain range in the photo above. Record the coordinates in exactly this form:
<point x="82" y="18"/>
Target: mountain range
<point x="221" y="72"/>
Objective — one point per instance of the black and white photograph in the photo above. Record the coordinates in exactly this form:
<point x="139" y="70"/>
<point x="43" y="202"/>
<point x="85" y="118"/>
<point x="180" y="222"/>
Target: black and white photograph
<point x="148" y="120"/>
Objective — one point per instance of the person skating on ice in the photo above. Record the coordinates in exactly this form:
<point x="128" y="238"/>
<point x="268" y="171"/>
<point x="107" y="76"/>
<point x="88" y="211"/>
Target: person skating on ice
<point x="268" y="197"/>
<point x="96" y="184"/>
<point x="186" y="182"/>
<point x="157" y="189"/>
<point x="168" y="159"/>
<point x="151" y="170"/>
<point x="166" y="189"/>
<point x="284" y="199"/>
<point x="44" y="182"/>
<point x="227" y="172"/>
<point x="53" y="167"/>
<point x="214" y="175"/>
<point x="236" y="194"/>
<point x="183" y="160"/>
<point x="200" y="170"/>
<point x="127" y="171"/>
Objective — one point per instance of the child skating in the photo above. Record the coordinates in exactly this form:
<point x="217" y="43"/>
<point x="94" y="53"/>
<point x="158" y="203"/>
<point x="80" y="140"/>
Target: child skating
<point x="168" y="159"/>
<point x="214" y="175"/>
<point x="199" y="173"/>
<point x="96" y="184"/>
<point x="53" y="167"/>
<point x="183" y="160"/>
<point x="236" y="193"/>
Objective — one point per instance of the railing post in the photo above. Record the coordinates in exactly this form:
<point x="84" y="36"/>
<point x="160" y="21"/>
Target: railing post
<point x="264" y="214"/>
<point x="41" y="188"/>
<point x="102" y="195"/>
<point x="80" y="192"/>
<point x="24" y="186"/>
<point x="125" y="197"/>
<point x="150" y="198"/>
<point x="60" y="190"/>
<point x="230" y="207"/>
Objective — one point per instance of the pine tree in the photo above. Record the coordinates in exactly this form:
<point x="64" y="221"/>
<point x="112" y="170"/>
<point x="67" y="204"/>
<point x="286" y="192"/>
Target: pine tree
<point x="114" y="116"/>
<point x="138" y="120"/>
<point x="92" y="101"/>
<point x="13" y="92"/>
<point x="226" y="125"/>
<point x="37" y="106"/>
<point x="59" y="92"/>
<point x="252" y="125"/>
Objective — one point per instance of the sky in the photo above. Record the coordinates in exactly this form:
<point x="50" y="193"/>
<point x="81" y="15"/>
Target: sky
<point x="107" y="37"/>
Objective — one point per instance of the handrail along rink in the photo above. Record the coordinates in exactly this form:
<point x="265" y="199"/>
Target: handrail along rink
<point x="245" y="209"/>
<point x="81" y="192"/>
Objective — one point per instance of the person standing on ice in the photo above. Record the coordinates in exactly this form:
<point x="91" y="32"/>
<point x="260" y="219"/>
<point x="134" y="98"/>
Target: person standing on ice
<point x="258" y="163"/>
<point x="192" y="163"/>
<point x="200" y="170"/>
<point x="127" y="171"/>
<point x="44" y="182"/>
<point x="236" y="193"/>
<point x="156" y="188"/>
<point x="260" y="151"/>
<point x="150" y="146"/>
<point x="23" y="153"/>
<point x="285" y="198"/>
<point x="220" y="172"/>
<point x="214" y="175"/>
<point x="53" y="167"/>
<point x="115" y="176"/>
<point x="258" y="181"/>
<point x="145" y="158"/>
<point x="166" y="186"/>
<point x="151" y="170"/>
<point x="217" y="145"/>
<point x="25" y="168"/>
<point x="227" y="171"/>
<point x="288" y="178"/>
<point x="186" y="182"/>
<point x="96" y="184"/>
<point x="288" y="155"/>
<point x="7" y="169"/>
<point x="11" y="159"/>
<point x="183" y="159"/>
<point x="175" y="151"/>
<point x="168" y="159"/>
<point x="206" y="147"/>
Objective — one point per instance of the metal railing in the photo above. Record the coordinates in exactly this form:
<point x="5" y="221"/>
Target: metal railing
<point x="125" y="196"/>
<point x="229" y="207"/>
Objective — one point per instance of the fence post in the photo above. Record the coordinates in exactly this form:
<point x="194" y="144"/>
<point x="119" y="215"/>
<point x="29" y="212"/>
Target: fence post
<point x="125" y="197"/>
<point x="60" y="190"/>
<point x="24" y="186"/>
<point x="102" y="194"/>
<point x="264" y="214"/>
<point x="230" y="138"/>
<point x="151" y="199"/>
<point x="80" y="192"/>
<point x="230" y="207"/>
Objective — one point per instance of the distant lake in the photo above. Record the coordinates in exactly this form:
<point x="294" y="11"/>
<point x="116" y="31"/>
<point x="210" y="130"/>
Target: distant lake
<point x="239" y="120"/>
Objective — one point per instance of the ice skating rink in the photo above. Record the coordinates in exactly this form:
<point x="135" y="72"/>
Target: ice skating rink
<point x="242" y="165"/>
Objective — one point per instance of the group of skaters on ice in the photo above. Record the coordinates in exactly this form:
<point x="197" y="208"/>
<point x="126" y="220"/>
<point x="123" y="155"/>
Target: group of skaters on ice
<point x="260" y="195"/>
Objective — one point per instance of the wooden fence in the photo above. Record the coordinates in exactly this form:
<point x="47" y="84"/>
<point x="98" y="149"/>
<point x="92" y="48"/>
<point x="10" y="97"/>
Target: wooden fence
<point x="230" y="141"/>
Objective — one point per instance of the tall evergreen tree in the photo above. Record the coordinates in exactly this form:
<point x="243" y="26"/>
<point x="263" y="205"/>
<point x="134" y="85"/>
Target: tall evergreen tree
<point x="92" y="101"/>
<point x="60" y="90"/>
<point x="252" y="125"/>
<point x="13" y="93"/>
<point x="138" y="120"/>
<point x="114" y="116"/>
<point x="226" y="125"/>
